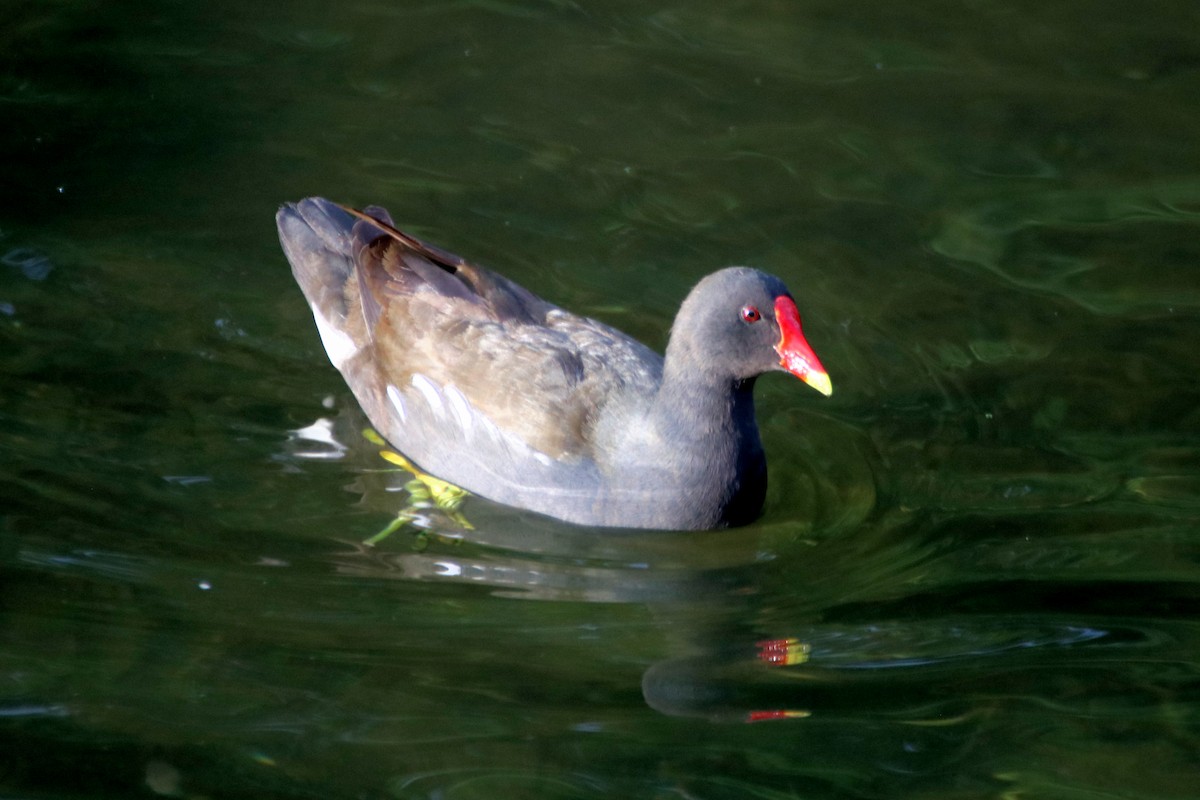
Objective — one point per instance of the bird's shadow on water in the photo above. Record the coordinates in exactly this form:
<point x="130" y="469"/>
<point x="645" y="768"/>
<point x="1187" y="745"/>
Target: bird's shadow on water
<point x="845" y="693"/>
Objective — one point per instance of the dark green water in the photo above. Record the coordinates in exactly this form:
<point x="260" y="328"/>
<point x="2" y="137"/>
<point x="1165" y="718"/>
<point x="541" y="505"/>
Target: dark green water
<point x="987" y="540"/>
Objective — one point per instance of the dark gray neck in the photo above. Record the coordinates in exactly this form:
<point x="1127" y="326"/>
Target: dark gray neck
<point x="699" y="406"/>
<point x="715" y="445"/>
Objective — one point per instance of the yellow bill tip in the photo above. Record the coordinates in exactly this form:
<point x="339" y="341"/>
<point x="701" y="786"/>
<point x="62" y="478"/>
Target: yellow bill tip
<point x="819" y="381"/>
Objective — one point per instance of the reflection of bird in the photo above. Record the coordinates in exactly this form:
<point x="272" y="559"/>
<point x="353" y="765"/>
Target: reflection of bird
<point x="485" y="385"/>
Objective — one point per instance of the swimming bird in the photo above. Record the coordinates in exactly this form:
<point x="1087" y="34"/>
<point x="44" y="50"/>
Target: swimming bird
<point x="483" y="384"/>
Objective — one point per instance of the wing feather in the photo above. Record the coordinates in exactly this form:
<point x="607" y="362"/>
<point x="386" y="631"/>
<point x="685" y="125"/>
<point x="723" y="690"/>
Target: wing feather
<point x="474" y="378"/>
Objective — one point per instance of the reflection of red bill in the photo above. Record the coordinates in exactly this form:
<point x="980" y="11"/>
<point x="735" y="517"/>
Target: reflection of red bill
<point x="768" y="716"/>
<point x="795" y="354"/>
<point x="782" y="652"/>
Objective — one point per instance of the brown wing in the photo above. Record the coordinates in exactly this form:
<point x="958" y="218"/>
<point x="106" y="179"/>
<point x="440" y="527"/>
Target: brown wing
<point x="533" y="370"/>
<point x="472" y="377"/>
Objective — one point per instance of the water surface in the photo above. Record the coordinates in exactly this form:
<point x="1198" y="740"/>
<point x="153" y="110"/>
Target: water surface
<point x="977" y="573"/>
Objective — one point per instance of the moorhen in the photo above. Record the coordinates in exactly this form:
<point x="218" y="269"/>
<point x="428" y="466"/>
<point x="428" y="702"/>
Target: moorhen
<point x="485" y="385"/>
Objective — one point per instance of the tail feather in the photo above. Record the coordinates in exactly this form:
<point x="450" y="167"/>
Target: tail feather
<point x="316" y="237"/>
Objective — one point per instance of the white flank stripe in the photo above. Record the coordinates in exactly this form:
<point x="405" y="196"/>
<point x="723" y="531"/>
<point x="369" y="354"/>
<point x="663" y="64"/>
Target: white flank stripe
<point x="430" y="392"/>
<point x="460" y="409"/>
<point x="397" y="402"/>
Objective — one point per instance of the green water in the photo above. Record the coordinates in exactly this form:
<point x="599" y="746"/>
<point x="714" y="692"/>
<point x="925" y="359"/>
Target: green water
<point x="985" y="545"/>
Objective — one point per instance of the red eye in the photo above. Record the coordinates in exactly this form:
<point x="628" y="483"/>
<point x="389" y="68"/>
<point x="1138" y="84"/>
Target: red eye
<point x="750" y="314"/>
